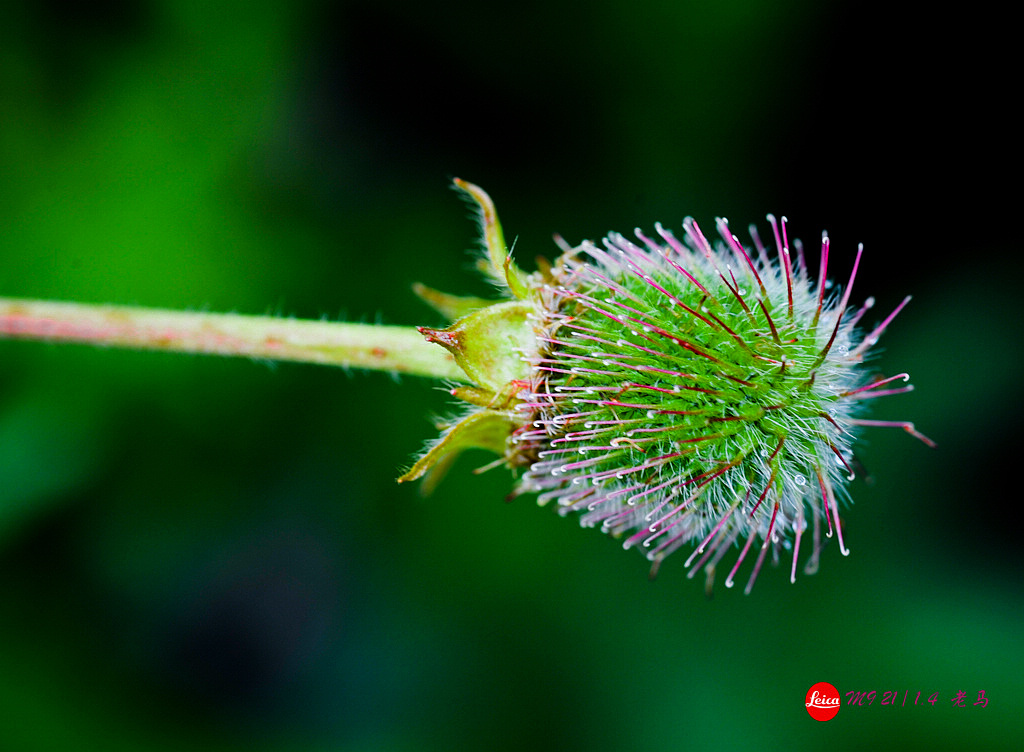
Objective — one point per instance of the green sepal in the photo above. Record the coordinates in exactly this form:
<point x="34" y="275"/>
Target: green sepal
<point x="498" y="263"/>
<point x="486" y="429"/>
<point x="452" y="307"/>
<point x="474" y="395"/>
<point x="490" y="344"/>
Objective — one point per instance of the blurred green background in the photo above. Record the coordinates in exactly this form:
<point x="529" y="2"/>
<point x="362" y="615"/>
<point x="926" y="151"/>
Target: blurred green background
<point x="206" y="554"/>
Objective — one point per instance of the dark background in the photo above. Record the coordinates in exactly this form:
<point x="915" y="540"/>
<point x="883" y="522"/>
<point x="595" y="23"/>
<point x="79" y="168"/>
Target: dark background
<point x="209" y="554"/>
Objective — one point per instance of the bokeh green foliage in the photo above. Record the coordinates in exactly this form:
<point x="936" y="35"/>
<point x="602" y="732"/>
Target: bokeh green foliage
<point x="199" y="553"/>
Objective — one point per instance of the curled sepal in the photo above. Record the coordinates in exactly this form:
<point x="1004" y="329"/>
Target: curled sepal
<point x="485" y="429"/>
<point x="499" y="261"/>
<point x="491" y="345"/>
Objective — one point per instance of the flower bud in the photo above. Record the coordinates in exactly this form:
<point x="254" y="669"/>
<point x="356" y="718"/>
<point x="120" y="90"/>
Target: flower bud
<point x="672" y="391"/>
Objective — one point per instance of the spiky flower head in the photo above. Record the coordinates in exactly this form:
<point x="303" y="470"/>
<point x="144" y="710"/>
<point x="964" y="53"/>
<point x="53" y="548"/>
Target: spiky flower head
<point x="673" y="391"/>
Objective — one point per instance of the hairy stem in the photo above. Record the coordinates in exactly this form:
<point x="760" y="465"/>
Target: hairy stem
<point x="379" y="348"/>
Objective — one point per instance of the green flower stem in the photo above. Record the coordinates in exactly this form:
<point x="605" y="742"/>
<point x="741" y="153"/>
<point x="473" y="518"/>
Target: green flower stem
<point x="396" y="349"/>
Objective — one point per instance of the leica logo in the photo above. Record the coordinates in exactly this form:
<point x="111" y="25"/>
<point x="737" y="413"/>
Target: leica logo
<point x="822" y="701"/>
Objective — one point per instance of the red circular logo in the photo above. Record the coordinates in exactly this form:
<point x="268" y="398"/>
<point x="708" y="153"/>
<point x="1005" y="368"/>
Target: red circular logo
<point x="822" y="701"/>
